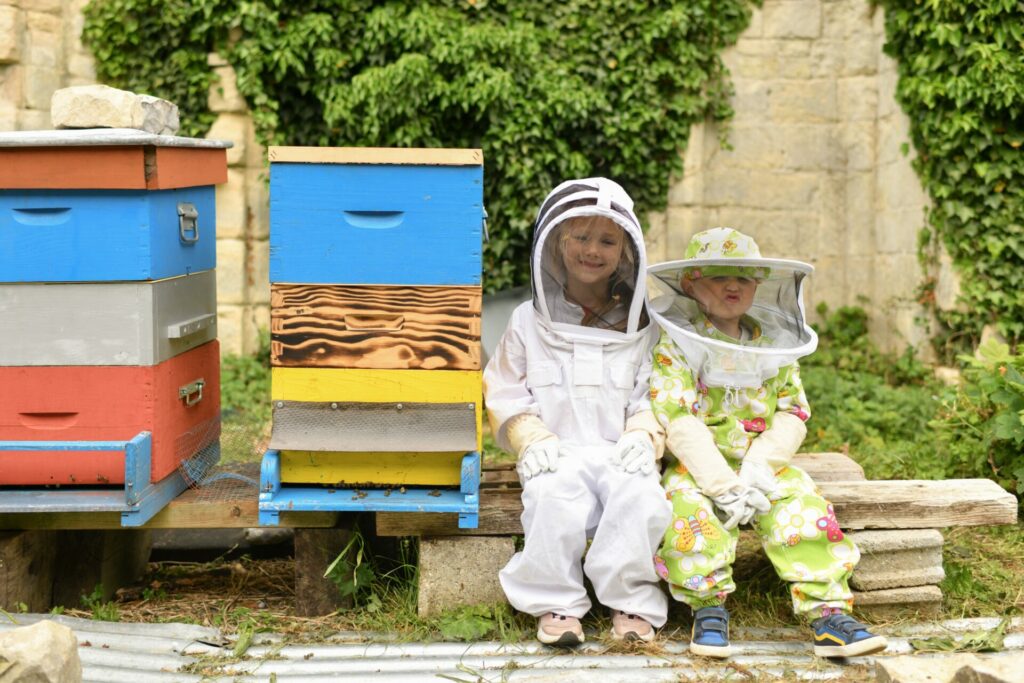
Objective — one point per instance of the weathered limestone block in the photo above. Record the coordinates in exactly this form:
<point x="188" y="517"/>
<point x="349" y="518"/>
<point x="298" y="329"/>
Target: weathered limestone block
<point x="923" y="599"/>
<point x="44" y="652"/>
<point x="232" y="215"/>
<point x="229" y="328"/>
<point x="999" y="667"/>
<point x="10" y="35"/>
<point x="461" y="571"/>
<point x="224" y="95"/>
<point x="792" y="19"/>
<point x="231" y="271"/>
<point x="100" y="106"/>
<point x="897" y="558"/>
<point x="233" y="127"/>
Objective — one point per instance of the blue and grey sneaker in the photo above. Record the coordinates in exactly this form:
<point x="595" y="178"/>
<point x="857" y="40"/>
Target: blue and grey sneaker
<point x="710" y="634"/>
<point x="840" y="635"/>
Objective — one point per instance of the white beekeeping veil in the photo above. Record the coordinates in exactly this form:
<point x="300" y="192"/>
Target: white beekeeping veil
<point x="586" y="231"/>
<point x="737" y="317"/>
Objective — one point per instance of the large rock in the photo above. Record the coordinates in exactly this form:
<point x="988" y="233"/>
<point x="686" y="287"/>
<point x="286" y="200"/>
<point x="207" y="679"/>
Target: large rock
<point x="100" y="106"/>
<point x="44" y="652"/>
<point x="954" y="668"/>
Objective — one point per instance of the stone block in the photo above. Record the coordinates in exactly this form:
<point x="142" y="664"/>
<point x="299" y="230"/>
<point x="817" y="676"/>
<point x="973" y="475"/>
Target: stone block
<point x="858" y="141"/>
<point x="231" y="271"/>
<point x="12" y="84"/>
<point x="792" y="19"/>
<point x="229" y="329"/>
<point x="461" y="571"/>
<point x="899" y="186"/>
<point x="8" y="116"/>
<point x="997" y="667"/>
<point x="947" y="283"/>
<point x="860" y="54"/>
<point x="257" y="201"/>
<point x="857" y="98"/>
<point x="897" y="230"/>
<point x="44" y="652"/>
<point x="43" y="27"/>
<point x="232" y="212"/>
<point x="859" y="214"/>
<point x="51" y="6"/>
<point x="770" y="59"/>
<point x="681" y="223"/>
<point x="750" y="99"/>
<point x="224" y="95"/>
<point x="804" y="101"/>
<point x="33" y="119"/>
<point x="887" y="79"/>
<point x="860" y="279"/>
<point x="235" y="128"/>
<point x="756" y="25"/>
<point x="846" y="18"/>
<point x="258" y="272"/>
<point x="922" y="599"/>
<point x="100" y="106"/>
<point x="255" y="152"/>
<point x="39" y="86"/>
<point x="763" y="189"/>
<point x="82" y="68"/>
<point x="10" y="35"/>
<point x="656" y="237"/>
<point x="897" y="558"/>
<point x="826" y="58"/>
<point x="254" y="323"/>
<point x="898" y="276"/>
<point x="893" y="133"/>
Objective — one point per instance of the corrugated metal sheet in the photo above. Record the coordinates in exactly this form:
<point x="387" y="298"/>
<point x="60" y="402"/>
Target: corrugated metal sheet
<point x="158" y="653"/>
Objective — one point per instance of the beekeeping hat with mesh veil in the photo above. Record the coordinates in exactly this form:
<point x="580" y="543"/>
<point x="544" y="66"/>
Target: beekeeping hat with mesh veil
<point x="690" y="296"/>
<point x="575" y="229"/>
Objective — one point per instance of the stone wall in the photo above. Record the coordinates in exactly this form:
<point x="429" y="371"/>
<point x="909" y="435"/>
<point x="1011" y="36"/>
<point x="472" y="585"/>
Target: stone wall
<point x="815" y="171"/>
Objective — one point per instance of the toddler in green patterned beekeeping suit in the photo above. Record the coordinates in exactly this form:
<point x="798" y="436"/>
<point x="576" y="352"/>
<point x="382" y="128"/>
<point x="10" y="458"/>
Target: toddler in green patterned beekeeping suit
<point x="726" y="387"/>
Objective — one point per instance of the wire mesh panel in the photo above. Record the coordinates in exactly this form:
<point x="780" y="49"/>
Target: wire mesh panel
<point x="382" y="427"/>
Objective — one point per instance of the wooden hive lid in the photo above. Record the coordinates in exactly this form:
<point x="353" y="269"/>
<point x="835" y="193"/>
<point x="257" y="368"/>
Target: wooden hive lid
<point x="421" y="156"/>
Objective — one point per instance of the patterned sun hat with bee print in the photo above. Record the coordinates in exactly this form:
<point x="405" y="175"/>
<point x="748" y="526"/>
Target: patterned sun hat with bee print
<point x="720" y="244"/>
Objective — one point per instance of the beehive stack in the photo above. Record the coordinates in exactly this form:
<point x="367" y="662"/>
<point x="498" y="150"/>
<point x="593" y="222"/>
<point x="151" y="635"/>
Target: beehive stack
<point x="375" y="262"/>
<point x="108" y="301"/>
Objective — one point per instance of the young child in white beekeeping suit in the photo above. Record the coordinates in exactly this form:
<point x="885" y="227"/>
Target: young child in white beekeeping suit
<point x="726" y="386"/>
<point x="567" y="392"/>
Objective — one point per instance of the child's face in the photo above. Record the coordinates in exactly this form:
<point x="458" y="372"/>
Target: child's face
<point x="723" y="298"/>
<point x="591" y="250"/>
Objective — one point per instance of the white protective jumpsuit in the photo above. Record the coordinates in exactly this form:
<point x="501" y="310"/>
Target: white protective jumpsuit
<point x="588" y="386"/>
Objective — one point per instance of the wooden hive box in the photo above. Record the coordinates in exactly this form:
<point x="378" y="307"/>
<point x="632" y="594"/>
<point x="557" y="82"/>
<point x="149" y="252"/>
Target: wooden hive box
<point x="375" y="314"/>
<point x="88" y="206"/>
<point x="177" y="400"/>
<point x="109" y="323"/>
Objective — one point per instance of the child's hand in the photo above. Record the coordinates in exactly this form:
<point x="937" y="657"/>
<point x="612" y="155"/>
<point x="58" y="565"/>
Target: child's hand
<point x="634" y="453"/>
<point x="756" y="473"/>
<point x="538" y="458"/>
<point x="740" y="505"/>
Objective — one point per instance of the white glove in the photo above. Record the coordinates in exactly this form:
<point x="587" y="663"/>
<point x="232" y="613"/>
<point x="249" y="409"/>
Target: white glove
<point x="538" y="458"/>
<point x="634" y="453"/>
<point x="757" y="474"/>
<point x="740" y="505"/>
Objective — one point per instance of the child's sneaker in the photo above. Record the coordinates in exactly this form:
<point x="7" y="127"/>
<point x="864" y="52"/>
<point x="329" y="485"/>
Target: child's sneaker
<point x="710" y="634"/>
<point x="840" y="635"/>
<point x="555" y="629"/>
<point x="630" y="627"/>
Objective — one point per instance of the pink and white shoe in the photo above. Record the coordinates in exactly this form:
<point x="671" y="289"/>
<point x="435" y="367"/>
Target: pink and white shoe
<point x="555" y="629"/>
<point x="630" y="627"/>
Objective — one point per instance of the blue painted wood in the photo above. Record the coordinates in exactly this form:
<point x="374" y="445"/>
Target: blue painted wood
<point x="137" y="502"/>
<point x="375" y="224"/>
<point x="103" y="235"/>
<point x="275" y="498"/>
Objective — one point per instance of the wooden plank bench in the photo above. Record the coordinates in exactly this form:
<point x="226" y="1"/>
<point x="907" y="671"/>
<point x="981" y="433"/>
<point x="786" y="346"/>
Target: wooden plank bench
<point x="894" y="523"/>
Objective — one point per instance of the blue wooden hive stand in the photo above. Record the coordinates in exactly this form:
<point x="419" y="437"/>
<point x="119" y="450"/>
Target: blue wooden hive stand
<point x="275" y="498"/>
<point x="137" y="501"/>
